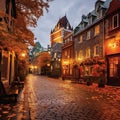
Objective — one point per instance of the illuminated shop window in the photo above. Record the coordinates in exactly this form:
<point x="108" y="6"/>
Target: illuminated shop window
<point x="114" y="66"/>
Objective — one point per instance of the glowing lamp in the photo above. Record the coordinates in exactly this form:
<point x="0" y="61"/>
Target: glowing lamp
<point x="23" y="54"/>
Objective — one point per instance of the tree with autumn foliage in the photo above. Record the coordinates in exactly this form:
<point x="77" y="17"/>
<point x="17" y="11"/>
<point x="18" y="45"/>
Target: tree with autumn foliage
<point x="27" y="14"/>
<point x="28" y="11"/>
<point x="14" y="33"/>
<point x="42" y="61"/>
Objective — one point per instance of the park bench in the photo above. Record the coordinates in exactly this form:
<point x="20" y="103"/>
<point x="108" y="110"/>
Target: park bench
<point x="7" y="94"/>
<point x="86" y="80"/>
<point x="18" y="82"/>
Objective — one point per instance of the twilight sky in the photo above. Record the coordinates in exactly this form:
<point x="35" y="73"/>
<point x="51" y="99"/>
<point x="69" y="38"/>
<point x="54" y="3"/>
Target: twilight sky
<point x="73" y="9"/>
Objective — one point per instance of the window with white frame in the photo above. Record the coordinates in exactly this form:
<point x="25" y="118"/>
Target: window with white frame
<point x="80" y="39"/>
<point x="88" y="53"/>
<point x="97" y="29"/>
<point x="115" y="21"/>
<point x="96" y="50"/>
<point x="90" y="20"/>
<point x="82" y="25"/>
<point x="88" y="35"/>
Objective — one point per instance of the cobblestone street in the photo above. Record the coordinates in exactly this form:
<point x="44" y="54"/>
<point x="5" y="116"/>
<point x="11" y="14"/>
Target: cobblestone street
<point x="53" y="99"/>
<point x="45" y="98"/>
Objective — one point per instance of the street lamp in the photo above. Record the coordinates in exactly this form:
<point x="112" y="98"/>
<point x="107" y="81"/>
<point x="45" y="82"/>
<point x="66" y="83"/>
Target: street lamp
<point x="23" y="54"/>
<point x="48" y="64"/>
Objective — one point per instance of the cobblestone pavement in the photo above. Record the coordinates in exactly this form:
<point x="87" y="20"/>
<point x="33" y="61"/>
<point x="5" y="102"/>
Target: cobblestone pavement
<point x="45" y="98"/>
<point x="54" y="99"/>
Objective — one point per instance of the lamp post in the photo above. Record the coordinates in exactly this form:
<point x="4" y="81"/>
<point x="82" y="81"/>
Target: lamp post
<point x="22" y="66"/>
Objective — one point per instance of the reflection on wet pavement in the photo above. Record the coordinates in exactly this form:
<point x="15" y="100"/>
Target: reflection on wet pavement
<point x="53" y="99"/>
<point x="45" y="98"/>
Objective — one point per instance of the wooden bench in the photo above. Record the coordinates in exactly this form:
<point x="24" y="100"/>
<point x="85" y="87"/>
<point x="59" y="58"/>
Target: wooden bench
<point x="18" y="82"/>
<point x="88" y="79"/>
<point x="82" y="80"/>
<point x="7" y="94"/>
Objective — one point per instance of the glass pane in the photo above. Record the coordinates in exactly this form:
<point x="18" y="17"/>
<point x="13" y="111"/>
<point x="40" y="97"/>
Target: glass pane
<point x="114" y="66"/>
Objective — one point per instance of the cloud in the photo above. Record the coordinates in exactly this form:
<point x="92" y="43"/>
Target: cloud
<point x="73" y="9"/>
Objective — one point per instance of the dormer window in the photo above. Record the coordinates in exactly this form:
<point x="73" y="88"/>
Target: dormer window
<point x="115" y="21"/>
<point x="100" y="14"/>
<point x="90" y="20"/>
<point x="82" y="25"/>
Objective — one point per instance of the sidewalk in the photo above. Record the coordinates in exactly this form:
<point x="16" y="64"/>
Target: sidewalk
<point x="16" y="111"/>
<point x="112" y="91"/>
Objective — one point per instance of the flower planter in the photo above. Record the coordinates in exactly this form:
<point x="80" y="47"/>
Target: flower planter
<point x="101" y="84"/>
<point x="89" y="83"/>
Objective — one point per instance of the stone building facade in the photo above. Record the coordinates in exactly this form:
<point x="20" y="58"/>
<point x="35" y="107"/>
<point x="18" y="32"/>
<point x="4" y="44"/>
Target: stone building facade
<point x="112" y="43"/>
<point x="89" y="41"/>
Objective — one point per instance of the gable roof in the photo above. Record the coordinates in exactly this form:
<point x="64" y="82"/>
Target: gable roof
<point x="98" y="5"/>
<point x="63" y="23"/>
<point x="114" y="6"/>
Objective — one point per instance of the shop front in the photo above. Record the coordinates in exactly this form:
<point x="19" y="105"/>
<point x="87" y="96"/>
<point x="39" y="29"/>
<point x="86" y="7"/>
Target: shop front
<point x="113" y="66"/>
<point x="67" y="69"/>
<point x="112" y="51"/>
